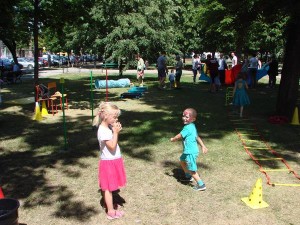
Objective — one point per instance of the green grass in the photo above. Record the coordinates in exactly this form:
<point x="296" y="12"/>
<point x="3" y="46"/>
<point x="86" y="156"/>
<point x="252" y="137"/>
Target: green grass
<point x="58" y="186"/>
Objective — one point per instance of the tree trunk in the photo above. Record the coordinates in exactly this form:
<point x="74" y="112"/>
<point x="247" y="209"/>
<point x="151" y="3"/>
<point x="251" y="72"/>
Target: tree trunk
<point x="289" y="84"/>
<point x="35" y="41"/>
<point x="11" y="45"/>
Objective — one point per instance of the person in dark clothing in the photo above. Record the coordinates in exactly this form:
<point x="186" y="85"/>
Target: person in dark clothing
<point x="272" y="72"/>
<point x="212" y="66"/>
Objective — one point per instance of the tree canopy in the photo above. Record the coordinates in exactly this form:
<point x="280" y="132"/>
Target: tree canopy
<point x="120" y="29"/>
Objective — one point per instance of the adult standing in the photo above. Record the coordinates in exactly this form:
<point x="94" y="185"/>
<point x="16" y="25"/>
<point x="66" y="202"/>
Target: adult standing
<point x="162" y="69"/>
<point x="140" y="70"/>
<point x="196" y="65"/>
<point x="178" y="67"/>
<point x="272" y="72"/>
<point x="234" y="59"/>
<point x="212" y="66"/>
<point x="253" y="65"/>
<point x="16" y="72"/>
<point x="221" y="68"/>
<point x="244" y="69"/>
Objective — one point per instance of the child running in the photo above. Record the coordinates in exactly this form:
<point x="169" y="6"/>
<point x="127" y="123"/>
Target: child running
<point x="190" y="139"/>
<point x="240" y="96"/>
<point x="111" y="167"/>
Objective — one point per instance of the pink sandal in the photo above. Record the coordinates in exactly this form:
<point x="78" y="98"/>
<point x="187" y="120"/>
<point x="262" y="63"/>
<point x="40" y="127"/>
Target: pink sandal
<point x="116" y="215"/>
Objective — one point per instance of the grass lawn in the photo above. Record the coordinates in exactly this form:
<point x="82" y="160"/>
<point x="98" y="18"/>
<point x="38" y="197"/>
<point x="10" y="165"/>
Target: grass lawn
<point x="59" y="186"/>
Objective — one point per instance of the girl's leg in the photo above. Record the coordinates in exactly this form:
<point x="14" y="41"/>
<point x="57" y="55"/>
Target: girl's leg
<point x="111" y="212"/>
<point x="108" y="198"/>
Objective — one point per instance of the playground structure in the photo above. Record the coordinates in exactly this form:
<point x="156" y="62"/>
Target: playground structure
<point x="230" y="75"/>
<point x="134" y="92"/>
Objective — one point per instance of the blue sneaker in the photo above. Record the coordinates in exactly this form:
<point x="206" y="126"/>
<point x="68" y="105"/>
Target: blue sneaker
<point x="197" y="187"/>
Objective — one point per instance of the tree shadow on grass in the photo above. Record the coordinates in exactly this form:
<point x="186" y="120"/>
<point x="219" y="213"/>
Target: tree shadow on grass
<point x="174" y="171"/>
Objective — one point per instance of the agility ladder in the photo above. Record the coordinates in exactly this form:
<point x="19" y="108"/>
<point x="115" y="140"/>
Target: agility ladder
<point x="260" y="145"/>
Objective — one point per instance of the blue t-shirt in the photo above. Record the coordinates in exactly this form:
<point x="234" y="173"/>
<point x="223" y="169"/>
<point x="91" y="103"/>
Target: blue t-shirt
<point x="161" y="62"/>
<point x="189" y="134"/>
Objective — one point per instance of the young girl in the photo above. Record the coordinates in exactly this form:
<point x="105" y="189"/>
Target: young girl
<point x="111" y="167"/>
<point x="240" y="96"/>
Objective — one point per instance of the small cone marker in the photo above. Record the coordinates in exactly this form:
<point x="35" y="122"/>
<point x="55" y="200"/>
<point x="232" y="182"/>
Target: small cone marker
<point x="44" y="109"/>
<point x="1" y="193"/>
<point x="295" y="120"/>
<point x="37" y="115"/>
<point x="255" y="200"/>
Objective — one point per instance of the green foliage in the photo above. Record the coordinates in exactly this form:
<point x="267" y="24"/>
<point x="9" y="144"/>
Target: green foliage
<point x="134" y="27"/>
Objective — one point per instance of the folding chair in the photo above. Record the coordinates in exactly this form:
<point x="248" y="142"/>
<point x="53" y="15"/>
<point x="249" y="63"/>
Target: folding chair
<point x="54" y="93"/>
<point x="40" y="98"/>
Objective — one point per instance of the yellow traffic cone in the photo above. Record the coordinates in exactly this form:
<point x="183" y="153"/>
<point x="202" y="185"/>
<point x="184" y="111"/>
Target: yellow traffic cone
<point x="255" y="200"/>
<point x="295" y="120"/>
<point x="44" y="109"/>
<point x="37" y="112"/>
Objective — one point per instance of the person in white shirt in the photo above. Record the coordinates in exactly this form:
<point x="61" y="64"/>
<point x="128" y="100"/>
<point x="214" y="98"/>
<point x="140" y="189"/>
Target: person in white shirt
<point x="234" y="59"/>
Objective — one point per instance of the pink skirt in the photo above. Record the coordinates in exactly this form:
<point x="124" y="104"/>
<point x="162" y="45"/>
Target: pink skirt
<point x="111" y="174"/>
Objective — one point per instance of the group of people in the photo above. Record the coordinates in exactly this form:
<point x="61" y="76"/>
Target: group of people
<point x="111" y="171"/>
<point x="174" y="76"/>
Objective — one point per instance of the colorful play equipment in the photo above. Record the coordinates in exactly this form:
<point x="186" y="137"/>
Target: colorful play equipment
<point x="121" y="83"/>
<point x="134" y="92"/>
<point x="255" y="199"/>
<point x="261" y="152"/>
<point x="230" y="75"/>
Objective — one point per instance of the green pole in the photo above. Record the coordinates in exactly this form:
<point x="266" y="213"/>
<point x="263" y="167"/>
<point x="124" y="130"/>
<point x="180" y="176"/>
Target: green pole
<point x="92" y="96"/>
<point x="62" y="81"/>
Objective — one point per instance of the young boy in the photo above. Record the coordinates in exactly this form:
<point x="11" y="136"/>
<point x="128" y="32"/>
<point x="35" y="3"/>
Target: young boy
<point x="190" y="139"/>
<point x="172" y="79"/>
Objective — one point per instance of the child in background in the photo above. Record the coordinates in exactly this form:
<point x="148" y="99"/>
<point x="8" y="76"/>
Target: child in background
<point x="172" y="79"/>
<point x="190" y="139"/>
<point x="140" y="70"/>
<point x="240" y="96"/>
<point x="111" y="167"/>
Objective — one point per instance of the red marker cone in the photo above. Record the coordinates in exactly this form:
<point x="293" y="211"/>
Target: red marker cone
<point x="1" y="193"/>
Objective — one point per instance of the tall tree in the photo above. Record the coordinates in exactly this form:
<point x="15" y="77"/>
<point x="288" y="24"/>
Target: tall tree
<point x="289" y="84"/>
<point x="130" y="27"/>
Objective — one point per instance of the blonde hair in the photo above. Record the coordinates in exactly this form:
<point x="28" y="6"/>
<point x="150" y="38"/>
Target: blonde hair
<point x="104" y="109"/>
<point x="192" y="112"/>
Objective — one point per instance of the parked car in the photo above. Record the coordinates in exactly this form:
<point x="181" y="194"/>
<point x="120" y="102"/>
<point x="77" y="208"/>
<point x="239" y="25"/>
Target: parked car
<point x="6" y="64"/>
<point x="26" y="64"/>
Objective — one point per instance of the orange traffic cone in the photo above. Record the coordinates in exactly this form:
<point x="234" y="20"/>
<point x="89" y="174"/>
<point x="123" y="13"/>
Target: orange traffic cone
<point x="295" y="120"/>
<point x="1" y="193"/>
<point x="255" y="200"/>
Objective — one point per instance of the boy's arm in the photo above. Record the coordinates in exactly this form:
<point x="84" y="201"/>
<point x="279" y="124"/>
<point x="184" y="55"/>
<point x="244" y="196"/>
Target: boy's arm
<point x="176" y="138"/>
<point x="203" y="147"/>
